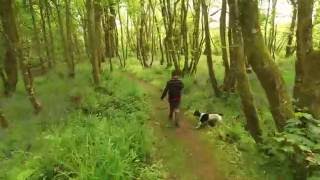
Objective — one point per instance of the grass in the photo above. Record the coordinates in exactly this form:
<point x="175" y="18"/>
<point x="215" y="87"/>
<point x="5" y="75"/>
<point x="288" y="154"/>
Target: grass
<point x="102" y="137"/>
<point x="233" y="147"/>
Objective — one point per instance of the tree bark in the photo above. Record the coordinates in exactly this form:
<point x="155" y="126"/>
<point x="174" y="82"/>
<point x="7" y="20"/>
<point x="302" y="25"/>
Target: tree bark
<point x="263" y="65"/>
<point x="10" y="73"/>
<point x="69" y="43"/>
<point x="12" y="40"/>
<point x="306" y="89"/>
<point x="243" y="84"/>
<point x="44" y="33"/>
<point x="224" y="43"/>
<point x="67" y="55"/>
<point x="184" y="33"/>
<point x="36" y="37"/>
<point x="3" y="121"/>
<point x="289" y="47"/>
<point x="92" y="42"/>
<point x="196" y="47"/>
<point x="208" y="50"/>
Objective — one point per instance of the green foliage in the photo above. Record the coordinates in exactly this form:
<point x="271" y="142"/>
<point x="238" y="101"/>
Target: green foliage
<point x="105" y="138"/>
<point x="298" y="144"/>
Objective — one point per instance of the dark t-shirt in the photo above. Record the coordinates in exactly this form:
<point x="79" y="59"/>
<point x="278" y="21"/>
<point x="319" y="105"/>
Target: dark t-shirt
<point x="173" y="89"/>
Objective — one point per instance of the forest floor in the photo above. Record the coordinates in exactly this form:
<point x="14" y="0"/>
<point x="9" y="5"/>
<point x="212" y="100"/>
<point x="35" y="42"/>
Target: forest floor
<point x="183" y="152"/>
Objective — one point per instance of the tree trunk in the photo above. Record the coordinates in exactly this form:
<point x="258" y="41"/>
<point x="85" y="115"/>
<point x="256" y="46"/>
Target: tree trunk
<point x="290" y="48"/>
<point x="12" y="40"/>
<point x="69" y="43"/>
<point x="98" y="32"/>
<point x="196" y="48"/>
<point x="36" y="36"/>
<point x="3" y="121"/>
<point x="10" y="73"/>
<point x="92" y="42"/>
<point x="306" y="89"/>
<point x="224" y="43"/>
<point x="44" y="33"/>
<point x="184" y="33"/>
<point x="208" y="50"/>
<point x="50" y="40"/>
<point x="66" y="53"/>
<point x="263" y="65"/>
<point x="243" y="84"/>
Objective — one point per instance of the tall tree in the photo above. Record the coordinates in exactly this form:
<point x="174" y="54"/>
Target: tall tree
<point x="67" y="54"/>
<point x="184" y="34"/>
<point x="10" y="73"/>
<point x="208" y="50"/>
<point x="92" y="42"/>
<point x="12" y="39"/>
<point x="223" y="40"/>
<point x="289" y="47"/>
<point x="306" y="89"/>
<point x="196" y="44"/>
<point x="243" y="84"/>
<point x="36" y="36"/>
<point x="263" y="65"/>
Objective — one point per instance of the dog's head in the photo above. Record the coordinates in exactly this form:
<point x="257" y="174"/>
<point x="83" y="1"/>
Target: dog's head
<point x="197" y="113"/>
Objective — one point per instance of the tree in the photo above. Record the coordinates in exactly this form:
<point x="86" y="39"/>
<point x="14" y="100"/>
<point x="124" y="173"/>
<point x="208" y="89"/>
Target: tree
<point x="196" y="44"/>
<point x="13" y="42"/>
<point x="92" y="42"/>
<point x="10" y="72"/>
<point x="63" y="34"/>
<point x="306" y="89"/>
<point x="289" y="48"/>
<point x="263" y="65"/>
<point x="243" y="84"/>
<point x="208" y="50"/>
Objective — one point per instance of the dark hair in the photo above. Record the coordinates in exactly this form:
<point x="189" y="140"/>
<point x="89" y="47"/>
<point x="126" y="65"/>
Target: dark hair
<point x="197" y="113"/>
<point x="175" y="73"/>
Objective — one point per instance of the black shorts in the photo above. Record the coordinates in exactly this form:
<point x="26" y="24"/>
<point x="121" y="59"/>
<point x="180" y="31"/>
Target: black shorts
<point x="174" y="105"/>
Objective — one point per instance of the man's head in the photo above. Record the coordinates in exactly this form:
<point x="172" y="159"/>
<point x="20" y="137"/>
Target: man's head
<point x="175" y="73"/>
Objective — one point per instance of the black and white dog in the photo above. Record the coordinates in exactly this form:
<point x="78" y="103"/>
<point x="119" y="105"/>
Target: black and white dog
<point x="207" y="118"/>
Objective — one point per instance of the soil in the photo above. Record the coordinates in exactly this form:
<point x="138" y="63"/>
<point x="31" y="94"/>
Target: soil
<point x="182" y="150"/>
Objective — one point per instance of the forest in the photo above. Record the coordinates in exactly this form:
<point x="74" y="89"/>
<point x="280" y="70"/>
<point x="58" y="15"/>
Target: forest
<point x="81" y="82"/>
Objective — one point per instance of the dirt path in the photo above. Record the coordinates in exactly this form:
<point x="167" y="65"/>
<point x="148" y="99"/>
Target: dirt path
<point x="183" y="152"/>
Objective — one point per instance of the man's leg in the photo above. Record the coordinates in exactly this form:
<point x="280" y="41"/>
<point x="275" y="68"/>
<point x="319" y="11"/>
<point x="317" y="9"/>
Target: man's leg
<point x="171" y="110"/>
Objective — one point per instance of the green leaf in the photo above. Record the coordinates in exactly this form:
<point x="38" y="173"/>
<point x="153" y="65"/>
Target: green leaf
<point x="23" y="175"/>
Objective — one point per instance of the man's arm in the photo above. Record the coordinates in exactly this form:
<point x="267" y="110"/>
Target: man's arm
<point x="165" y="91"/>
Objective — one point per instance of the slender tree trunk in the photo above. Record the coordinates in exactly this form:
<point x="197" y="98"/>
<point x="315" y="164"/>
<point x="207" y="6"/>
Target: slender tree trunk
<point x="44" y="33"/>
<point x="267" y="22"/>
<point x="50" y="40"/>
<point x="243" y="85"/>
<point x="36" y="36"/>
<point x="92" y="42"/>
<point x="66" y="52"/>
<point x="69" y="43"/>
<point x="122" y="37"/>
<point x="196" y="48"/>
<point x="224" y="43"/>
<point x="3" y="121"/>
<point x="289" y="48"/>
<point x="12" y="40"/>
<point x="262" y="63"/>
<point x="208" y="51"/>
<point x="184" y="33"/>
<point x="10" y="73"/>
<point x="306" y="89"/>
<point x="272" y="31"/>
<point x="98" y="32"/>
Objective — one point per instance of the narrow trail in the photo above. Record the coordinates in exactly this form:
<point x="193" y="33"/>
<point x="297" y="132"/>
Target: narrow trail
<point x="184" y="154"/>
